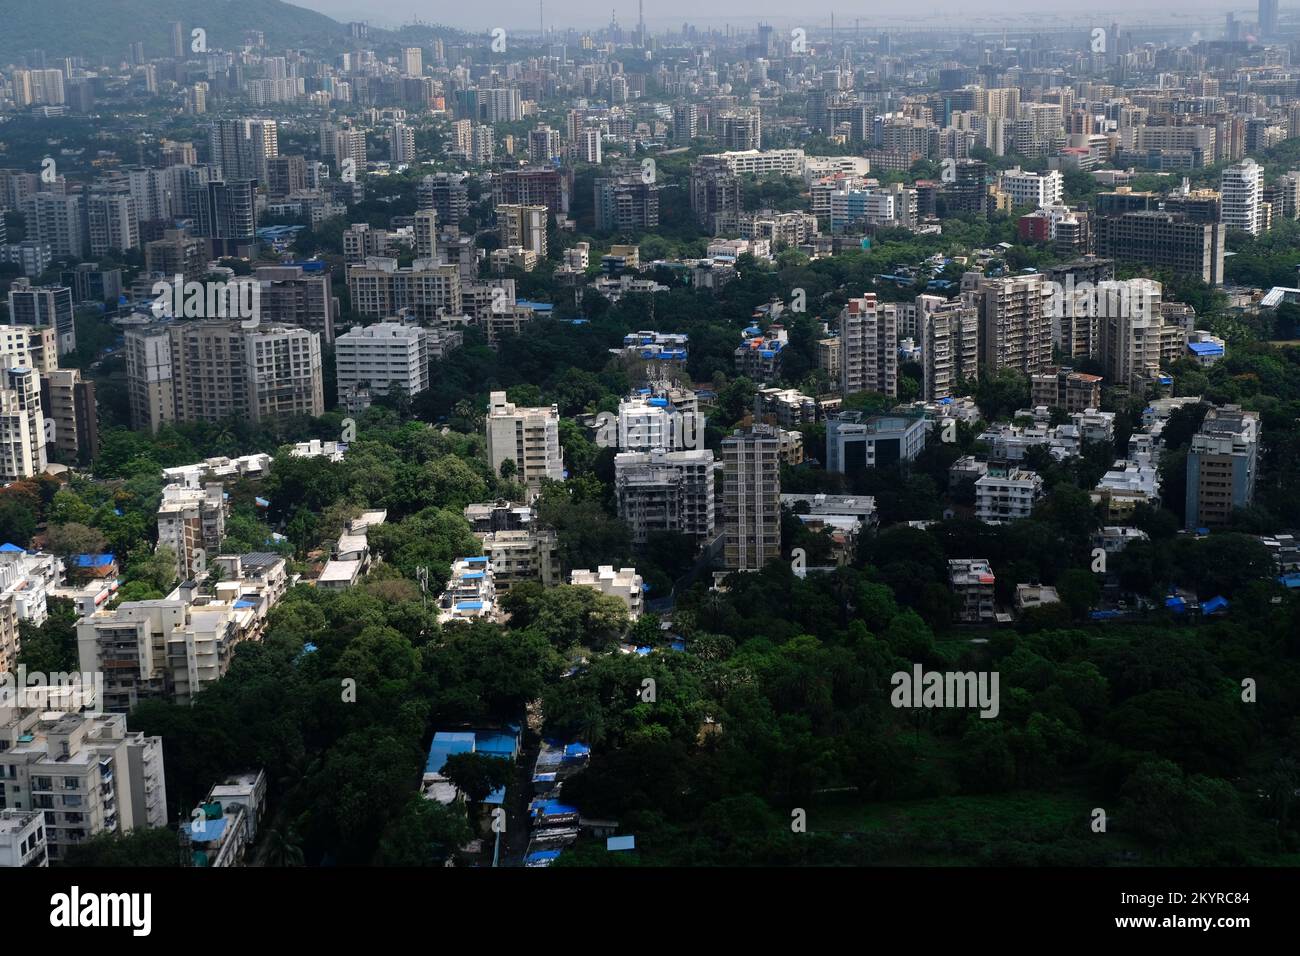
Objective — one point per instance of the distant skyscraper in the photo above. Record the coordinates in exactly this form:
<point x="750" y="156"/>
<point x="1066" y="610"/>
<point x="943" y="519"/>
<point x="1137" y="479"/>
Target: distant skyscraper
<point x="1267" y="18"/>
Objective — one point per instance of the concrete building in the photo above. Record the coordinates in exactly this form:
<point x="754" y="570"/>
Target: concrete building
<point x="1007" y="496"/>
<point x="111" y="223"/>
<point x="171" y="648"/>
<point x="380" y="356"/>
<point x="22" y="839"/>
<point x="527" y="437"/>
<point x="786" y="407"/>
<point x="664" y="490"/>
<point x="470" y="594"/>
<point x="1222" y="466"/>
<point x="949" y="338"/>
<point x="869" y="347"/>
<point x="1242" y="189"/>
<point x="222" y="827"/>
<point x="1065" y="388"/>
<point x="192" y="522"/>
<point x="1135" y="341"/>
<point x="49" y="306"/>
<point x="427" y="290"/>
<point x="1163" y="240"/>
<point x="523" y="226"/>
<point x="22" y="425"/>
<point x="855" y="440"/>
<point x="1015" y="329"/>
<point x="844" y="517"/>
<point x="972" y="582"/>
<point x="1129" y="482"/>
<point x="89" y="775"/>
<point x="751" y="497"/>
<point x="293" y="297"/>
<point x="624" y="584"/>
<point x="530" y="554"/>
<point x="1033" y="189"/>
<point x="69" y="402"/>
<point x="213" y="369"/>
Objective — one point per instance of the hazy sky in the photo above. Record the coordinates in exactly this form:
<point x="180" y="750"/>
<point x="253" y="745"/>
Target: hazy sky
<point x="666" y="13"/>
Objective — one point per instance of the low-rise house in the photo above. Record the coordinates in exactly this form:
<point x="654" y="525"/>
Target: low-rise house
<point x="972" y="582"/>
<point x="624" y="584"/>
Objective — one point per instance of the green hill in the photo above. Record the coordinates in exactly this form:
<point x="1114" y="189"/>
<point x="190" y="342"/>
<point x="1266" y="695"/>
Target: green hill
<point x="105" y="29"/>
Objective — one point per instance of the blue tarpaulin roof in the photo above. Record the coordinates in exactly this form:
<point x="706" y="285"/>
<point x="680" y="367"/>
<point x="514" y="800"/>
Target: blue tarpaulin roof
<point x="1219" y="603"/>
<point x="620" y="843"/>
<point x="495" y="744"/>
<point x="94" y="560"/>
<point x="245" y="604"/>
<point x="9" y="548"/>
<point x="209" y="831"/>
<point x="445" y="743"/>
<point x="1176" y="604"/>
<point x="552" y="808"/>
<point x="576" y="750"/>
<point x="1205" y="348"/>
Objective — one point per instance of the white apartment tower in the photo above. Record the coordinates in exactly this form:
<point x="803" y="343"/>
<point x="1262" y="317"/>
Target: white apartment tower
<point x="1242" y="189"/>
<point x="528" y="437"/>
<point x="381" y="356"/>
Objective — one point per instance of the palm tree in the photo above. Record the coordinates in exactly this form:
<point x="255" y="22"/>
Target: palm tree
<point x="469" y="412"/>
<point x="282" y="848"/>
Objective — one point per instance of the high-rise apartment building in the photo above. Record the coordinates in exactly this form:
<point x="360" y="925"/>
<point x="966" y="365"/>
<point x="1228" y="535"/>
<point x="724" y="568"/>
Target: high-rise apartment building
<point x="1222" y="466"/>
<point x="55" y="219"/>
<point x="192" y="522"/>
<point x="49" y="306"/>
<point x="869" y="346"/>
<point x="69" y="401"/>
<point x="22" y="425"/>
<point x="626" y="202"/>
<point x="292" y="296"/>
<point x="664" y="490"/>
<point x="447" y="194"/>
<point x="1242" y="189"/>
<point x="523" y="226"/>
<point x="751" y="498"/>
<point x="1164" y="240"/>
<point x="382" y="356"/>
<point x="427" y="290"/>
<point x="948" y="334"/>
<point x="1015" y="329"/>
<point x="527" y="437"/>
<point x="111" y="223"/>
<point x="213" y="370"/>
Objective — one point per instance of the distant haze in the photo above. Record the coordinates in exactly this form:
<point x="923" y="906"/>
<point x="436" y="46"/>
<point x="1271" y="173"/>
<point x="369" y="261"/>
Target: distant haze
<point x="670" y="14"/>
